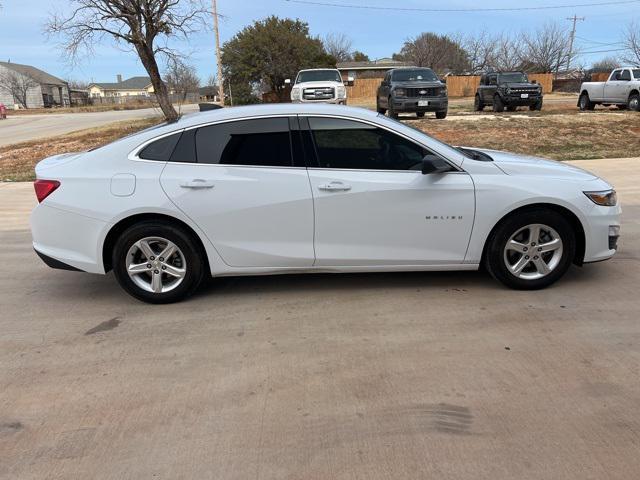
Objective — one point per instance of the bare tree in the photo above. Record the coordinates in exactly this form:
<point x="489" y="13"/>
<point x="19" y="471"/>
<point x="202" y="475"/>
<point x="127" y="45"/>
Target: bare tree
<point x="77" y="84"/>
<point x="17" y="85"/>
<point x="439" y="52"/>
<point x="508" y="53"/>
<point x="631" y="42"/>
<point x="141" y="25"/>
<point x="480" y="51"/>
<point x="338" y="45"/>
<point x="605" y="65"/>
<point x="182" y="79"/>
<point x="545" y="49"/>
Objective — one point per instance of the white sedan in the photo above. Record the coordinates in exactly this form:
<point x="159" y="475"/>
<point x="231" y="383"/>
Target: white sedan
<point x="312" y="188"/>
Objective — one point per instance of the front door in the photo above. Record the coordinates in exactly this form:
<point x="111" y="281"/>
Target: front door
<point x="373" y="205"/>
<point x="238" y="182"/>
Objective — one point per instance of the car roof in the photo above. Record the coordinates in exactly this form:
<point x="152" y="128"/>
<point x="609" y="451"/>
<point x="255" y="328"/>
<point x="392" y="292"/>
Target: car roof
<point x="248" y="111"/>
<point x="316" y="69"/>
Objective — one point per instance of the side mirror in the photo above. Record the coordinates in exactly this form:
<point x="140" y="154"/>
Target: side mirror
<point x="287" y="81"/>
<point x="434" y="164"/>
<point x="349" y="82"/>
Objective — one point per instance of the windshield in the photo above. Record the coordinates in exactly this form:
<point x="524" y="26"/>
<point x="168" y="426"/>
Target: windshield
<point x="513" y="78"/>
<point x="636" y="73"/>
<point x="319" y="76"/>
<point x="419" y="74"/>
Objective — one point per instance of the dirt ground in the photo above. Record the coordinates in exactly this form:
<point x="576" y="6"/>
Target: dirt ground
<point x="367" y="376"/>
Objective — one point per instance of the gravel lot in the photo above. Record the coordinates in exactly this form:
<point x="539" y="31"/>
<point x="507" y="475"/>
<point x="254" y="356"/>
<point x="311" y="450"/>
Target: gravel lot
<point x="367" y="376"/>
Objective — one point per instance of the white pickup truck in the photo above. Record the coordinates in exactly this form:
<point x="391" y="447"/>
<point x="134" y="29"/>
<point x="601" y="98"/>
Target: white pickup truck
<point x="621" y="89"/>
<point x="323" y="85"/>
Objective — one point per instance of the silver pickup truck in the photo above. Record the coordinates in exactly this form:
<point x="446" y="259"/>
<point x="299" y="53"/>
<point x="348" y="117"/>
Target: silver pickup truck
<point x="621" y="89"/>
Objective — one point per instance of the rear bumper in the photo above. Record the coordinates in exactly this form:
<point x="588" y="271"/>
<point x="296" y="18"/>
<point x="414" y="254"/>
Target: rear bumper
<point x="67" y="238"/>
<point x="436" y="104"/>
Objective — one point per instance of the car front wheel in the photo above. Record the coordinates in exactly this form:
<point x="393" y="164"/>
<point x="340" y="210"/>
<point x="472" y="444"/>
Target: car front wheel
<point x="157" y="262"/>
<point x="531" y="250"/>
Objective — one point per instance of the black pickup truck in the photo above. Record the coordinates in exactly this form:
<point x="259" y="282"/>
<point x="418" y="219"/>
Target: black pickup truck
<point x="412" y="89"/>
<point x="508" y="90"/>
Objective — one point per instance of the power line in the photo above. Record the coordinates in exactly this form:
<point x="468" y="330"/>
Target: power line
<point x="461" y="10"/>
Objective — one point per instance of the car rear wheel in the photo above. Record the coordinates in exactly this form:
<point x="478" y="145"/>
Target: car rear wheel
<point x="498" y="105"/>
<point x="585" y="103"/>
<point x="634" y="102"/>
<point x="478" y="106"/>
<point x="420" y="114"/>
<point x="441" y="115"/>
<point x="157" y="262"/>
<point x="536" y="106"/>
<point x="512" y="108"/>
<point x="531" y="250"/>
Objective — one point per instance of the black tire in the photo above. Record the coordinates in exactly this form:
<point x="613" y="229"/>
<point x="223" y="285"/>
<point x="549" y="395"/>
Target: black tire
<point x="441" y="115"/>
<point x="478" y="106"/>
<point x="584" y="103"/>
<point x="419" y="114"/>
<point x="536" y="106"/>
<point x="621" y="107"/>
<point x="634" y="102"/>
<point x="495" y="261"/>
<point x="498" y="104"/>
<point x="194" y="258"/>
<point x="379" y="109"/>
<point x="391" y="111"/>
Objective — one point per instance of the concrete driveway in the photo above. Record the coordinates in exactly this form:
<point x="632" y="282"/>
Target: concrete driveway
<point x="22" y="128"/>
<point x="376" y="376"/>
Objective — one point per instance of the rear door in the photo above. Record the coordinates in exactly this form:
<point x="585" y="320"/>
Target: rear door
<point x="373" y="205"/>
<point x="237" y="180"/>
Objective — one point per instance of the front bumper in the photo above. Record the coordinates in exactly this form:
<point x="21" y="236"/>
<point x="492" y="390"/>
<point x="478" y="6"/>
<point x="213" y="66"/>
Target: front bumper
<point x="436" y="104"/>
<point x="602" y="232"/>
<point x="334" y="101"/>
<point x="516" y="99"/>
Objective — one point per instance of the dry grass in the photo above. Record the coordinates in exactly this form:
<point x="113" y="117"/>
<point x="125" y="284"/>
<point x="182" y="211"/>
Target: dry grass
<point x="134" y="105"/>
<point x="561" y="137"/>
<point x="17" y="161"/>
<point x="559" y="132"/>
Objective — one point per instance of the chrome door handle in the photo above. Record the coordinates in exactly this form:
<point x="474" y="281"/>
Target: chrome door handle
<point x="197" y="183"/>
<point x="334" y="186"/>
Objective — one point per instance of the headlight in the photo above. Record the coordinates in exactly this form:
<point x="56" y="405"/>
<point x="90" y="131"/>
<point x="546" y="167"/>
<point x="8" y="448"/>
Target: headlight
<point x="295" y="94"/>
<point x="508" y="90"/>
<point x="443" y="90"/>
<point x="400" y="92"/>
<point x="342" y="92"/>
<point x="607" y="198"/>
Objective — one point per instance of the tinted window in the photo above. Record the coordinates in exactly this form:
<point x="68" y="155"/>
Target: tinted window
<point x="319" y="76"/>
<point x="246" y="142"/>
<point x="636" y="73"/>
<point x="185" y="150"/>
<point x="348" y="144"/>
<point x="160" y="149"/>
<point x="625" y="75"/>
<point x="415" y="75"/>
<point x="513" y="78"/>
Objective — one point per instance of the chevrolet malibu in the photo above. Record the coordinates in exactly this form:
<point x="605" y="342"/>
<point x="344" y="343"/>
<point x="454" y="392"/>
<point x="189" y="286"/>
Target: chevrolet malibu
<point x="312" y="188"/>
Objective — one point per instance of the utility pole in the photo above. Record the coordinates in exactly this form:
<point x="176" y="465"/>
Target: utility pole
<point x="218" y="55"/>
<point x="572" y="37"/>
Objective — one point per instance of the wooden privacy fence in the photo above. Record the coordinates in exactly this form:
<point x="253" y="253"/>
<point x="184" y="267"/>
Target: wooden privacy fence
<point x="458" y="86"/>
<point x="600" y="77"/>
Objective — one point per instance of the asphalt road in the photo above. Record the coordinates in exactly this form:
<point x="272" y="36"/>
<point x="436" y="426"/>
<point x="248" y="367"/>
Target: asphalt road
<point x="22" y="128"/>
<point x="367" y="376"/>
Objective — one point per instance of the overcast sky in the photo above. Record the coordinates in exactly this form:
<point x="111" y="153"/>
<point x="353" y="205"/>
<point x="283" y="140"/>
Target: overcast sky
<point x="379" y="33"/>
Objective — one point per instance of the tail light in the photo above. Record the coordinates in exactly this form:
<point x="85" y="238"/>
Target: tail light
<point x="44" y="188"/>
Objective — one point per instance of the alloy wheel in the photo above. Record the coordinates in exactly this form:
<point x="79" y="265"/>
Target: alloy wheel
<point x="156" y="264"/>
<point x="533" y="252"/>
